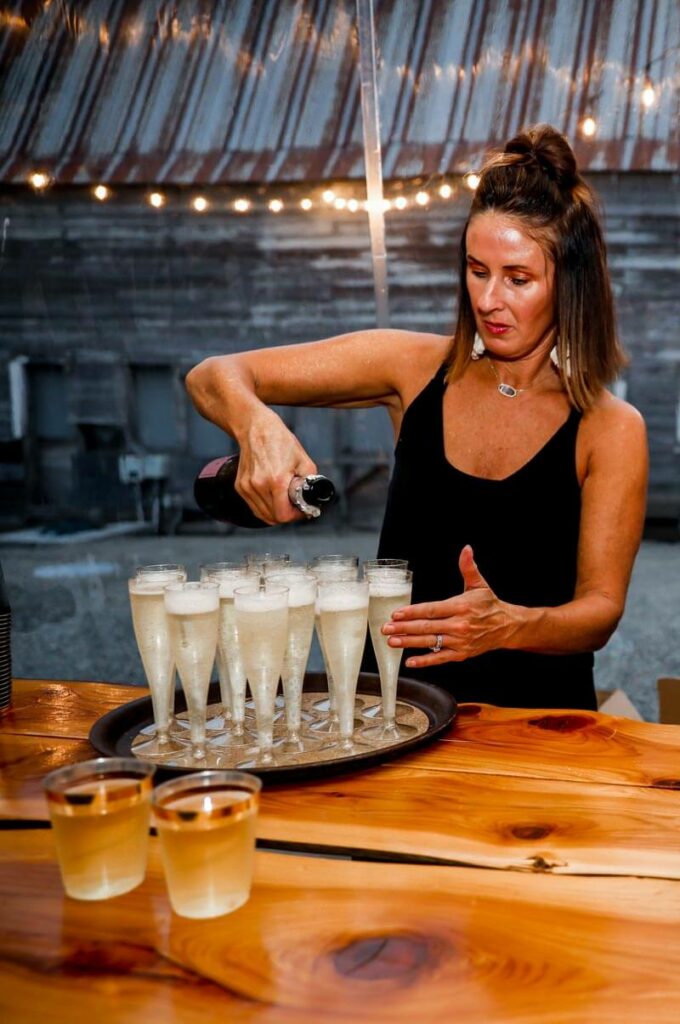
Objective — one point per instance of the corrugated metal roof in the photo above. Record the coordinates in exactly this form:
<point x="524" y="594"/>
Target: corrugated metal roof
<point x="219" y="91"/>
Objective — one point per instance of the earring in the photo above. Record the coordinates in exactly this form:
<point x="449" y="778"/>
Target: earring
<point x="478" y="348"/>
<point x="554" y="359"/>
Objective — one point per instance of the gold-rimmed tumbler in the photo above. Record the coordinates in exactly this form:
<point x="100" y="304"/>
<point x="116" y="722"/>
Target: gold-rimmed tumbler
<point x="206" y="826"/>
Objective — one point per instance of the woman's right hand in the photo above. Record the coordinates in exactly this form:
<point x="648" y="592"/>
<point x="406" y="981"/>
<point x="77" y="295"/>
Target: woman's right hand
<point x="270" y="457"/>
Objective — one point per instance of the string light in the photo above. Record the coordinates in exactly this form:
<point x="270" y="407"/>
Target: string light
<point x="588" y="126"/>
<point x="648" y="94"/>
<point x="405" y="195"/>
<point x="39" y="180"/>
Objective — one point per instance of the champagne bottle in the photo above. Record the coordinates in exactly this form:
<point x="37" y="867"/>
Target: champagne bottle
<point x="5" y="647"/>
<point x="216" y="494"/>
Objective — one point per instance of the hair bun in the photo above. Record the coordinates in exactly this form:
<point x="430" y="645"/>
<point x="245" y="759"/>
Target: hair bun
<point x="543" y="145"/>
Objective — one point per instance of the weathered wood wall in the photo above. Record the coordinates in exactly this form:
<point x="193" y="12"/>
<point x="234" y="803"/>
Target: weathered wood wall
<point x="103" y="287"/>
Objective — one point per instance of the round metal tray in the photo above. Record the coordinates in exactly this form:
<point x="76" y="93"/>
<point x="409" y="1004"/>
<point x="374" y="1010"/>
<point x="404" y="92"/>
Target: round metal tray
<point x="114" y="733"/>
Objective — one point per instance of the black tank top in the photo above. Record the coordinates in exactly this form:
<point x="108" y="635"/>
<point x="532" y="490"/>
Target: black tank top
<point x="524" y="533"/>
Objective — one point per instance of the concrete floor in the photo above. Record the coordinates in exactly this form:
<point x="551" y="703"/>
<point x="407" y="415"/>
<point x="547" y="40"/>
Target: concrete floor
<point x="72" y="619"/>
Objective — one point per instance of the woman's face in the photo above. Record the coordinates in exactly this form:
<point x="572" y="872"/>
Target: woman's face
<point x="510" y="282"/>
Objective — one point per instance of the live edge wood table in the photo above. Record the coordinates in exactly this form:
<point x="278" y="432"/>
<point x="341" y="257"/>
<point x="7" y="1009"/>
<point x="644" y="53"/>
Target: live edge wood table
<point x="526" y="867"/>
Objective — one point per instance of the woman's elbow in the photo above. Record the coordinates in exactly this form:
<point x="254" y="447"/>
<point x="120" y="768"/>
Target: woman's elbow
<point x="611" y="616"/>
<point x="197" y="377"/>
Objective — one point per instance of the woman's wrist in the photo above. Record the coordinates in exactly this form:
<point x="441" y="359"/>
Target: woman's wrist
<point x="523" y="623"/>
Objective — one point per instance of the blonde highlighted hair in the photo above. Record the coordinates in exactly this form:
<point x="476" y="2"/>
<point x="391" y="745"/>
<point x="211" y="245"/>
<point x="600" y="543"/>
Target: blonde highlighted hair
<point x="535" y="179"/>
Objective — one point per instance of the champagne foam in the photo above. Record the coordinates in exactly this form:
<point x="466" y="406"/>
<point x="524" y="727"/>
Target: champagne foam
<point x="228" y="583"/>
<point x="390" y="588"/>
<point x="336" y="602"/>
<point x="149" y="587"/>
<point x="191" y="602"/>
<point x="261" y="601"/>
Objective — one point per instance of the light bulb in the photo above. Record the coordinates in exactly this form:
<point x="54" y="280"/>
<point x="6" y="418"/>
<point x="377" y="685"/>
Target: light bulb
<point x="340" y="203"/>
<point x="352" y="205"/>
<point x="589" y="126"/>
<point x="242" y="205"/>
<point x="101" y="192"/>
<point x="200" y="204"/>
<point x="422" y="198"/>
<point x="648" y="95"/>
<point x="157" y="199"/>
<point x="401" y="202"/>
<point x="306" y="204"/>
<point x="39" y="180"/>
<point x="445" y="191"/>
<point x="471" y="180"/>
<point x="328" y="196"/>
<point x="276" y="206"/>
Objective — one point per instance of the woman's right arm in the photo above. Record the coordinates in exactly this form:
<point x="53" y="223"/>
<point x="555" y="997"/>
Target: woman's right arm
<point x="364" y="368"/>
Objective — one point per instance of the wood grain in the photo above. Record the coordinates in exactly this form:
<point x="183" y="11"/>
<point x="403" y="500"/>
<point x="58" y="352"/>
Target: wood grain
<point x="579" y="746"/>
<point x="24" y="763"/>
<point x="483" y="820"/>
<point x="44" y="707"/>
<point x="342" y="941"/>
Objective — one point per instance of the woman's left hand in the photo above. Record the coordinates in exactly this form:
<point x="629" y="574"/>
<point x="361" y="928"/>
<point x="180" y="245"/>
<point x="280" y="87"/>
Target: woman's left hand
<point x="469" y="624"/>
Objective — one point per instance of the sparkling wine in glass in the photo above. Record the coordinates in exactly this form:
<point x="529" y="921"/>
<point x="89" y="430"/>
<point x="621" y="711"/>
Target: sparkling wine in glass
<point x="262" y="625"/>
<point x="151" y="630"/>
<point x="193" y="617"/>
<point x="388" y="589"/>
<point x="343" y="606"/>
<point x="330" y="567"/>
<point x="229" y="666"/>
<point x="301" y="608"/>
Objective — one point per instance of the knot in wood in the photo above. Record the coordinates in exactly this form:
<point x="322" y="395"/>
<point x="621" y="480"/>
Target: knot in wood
<point x="531" y="831"/>
<point x="666" y="783"/>
<point x="469" y="710"/>
<point x="383" y="956"/>
<point x="562" y="723"/>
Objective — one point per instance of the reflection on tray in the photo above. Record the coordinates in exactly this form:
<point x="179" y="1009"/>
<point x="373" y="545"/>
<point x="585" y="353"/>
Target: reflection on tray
<point x="319" y="742"/>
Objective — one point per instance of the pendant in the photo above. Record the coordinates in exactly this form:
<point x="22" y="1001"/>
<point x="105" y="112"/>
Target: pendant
<point x="508" y="391"/>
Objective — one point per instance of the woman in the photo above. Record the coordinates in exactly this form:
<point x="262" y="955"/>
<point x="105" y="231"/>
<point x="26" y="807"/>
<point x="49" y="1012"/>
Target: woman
<point x="519" y="485"/>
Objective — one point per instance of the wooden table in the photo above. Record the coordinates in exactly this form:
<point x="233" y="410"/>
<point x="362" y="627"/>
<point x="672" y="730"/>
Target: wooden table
<point x="524" y="868"/>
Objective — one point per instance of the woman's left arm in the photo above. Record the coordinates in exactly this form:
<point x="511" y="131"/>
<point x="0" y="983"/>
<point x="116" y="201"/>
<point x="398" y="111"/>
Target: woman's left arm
<point x="613" y="496"/>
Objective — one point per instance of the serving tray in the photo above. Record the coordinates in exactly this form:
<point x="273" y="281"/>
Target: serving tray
<point x="427" y="709"/>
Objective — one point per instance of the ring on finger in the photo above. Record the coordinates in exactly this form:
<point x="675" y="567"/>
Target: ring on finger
<point x="438" y="644"/>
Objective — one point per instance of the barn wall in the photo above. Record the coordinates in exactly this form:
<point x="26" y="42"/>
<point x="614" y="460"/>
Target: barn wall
<point x="112" y="303"/>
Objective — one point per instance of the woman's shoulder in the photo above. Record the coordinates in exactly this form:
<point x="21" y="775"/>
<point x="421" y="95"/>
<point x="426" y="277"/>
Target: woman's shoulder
<point x="613" y="429"/>
<point x="422" y="354"/>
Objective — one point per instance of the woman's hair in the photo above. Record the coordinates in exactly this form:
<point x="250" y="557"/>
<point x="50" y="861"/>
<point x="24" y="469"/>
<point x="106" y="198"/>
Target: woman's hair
<point x="535" y="180"/>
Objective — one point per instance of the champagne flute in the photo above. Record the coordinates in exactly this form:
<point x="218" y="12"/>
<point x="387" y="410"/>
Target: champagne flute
<point x="230" y="670"/>
<point x="301" y="608"/>
<point x="150" y="626"/>
<point x="343" y="606"/>
<point x="193" y="617"/>
<point x="262" y="625"/>
<point x="330" y="567"/>
<point x="263" y="560"/>
<point x="388" y="589"/>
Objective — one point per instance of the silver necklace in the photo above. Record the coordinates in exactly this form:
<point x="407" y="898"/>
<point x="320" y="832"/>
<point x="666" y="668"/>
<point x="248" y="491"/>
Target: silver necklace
<point x="507" y="390"/>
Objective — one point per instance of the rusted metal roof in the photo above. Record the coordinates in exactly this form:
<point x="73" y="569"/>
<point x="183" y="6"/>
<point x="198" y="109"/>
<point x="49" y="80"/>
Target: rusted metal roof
<point x="225" y="91"/>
